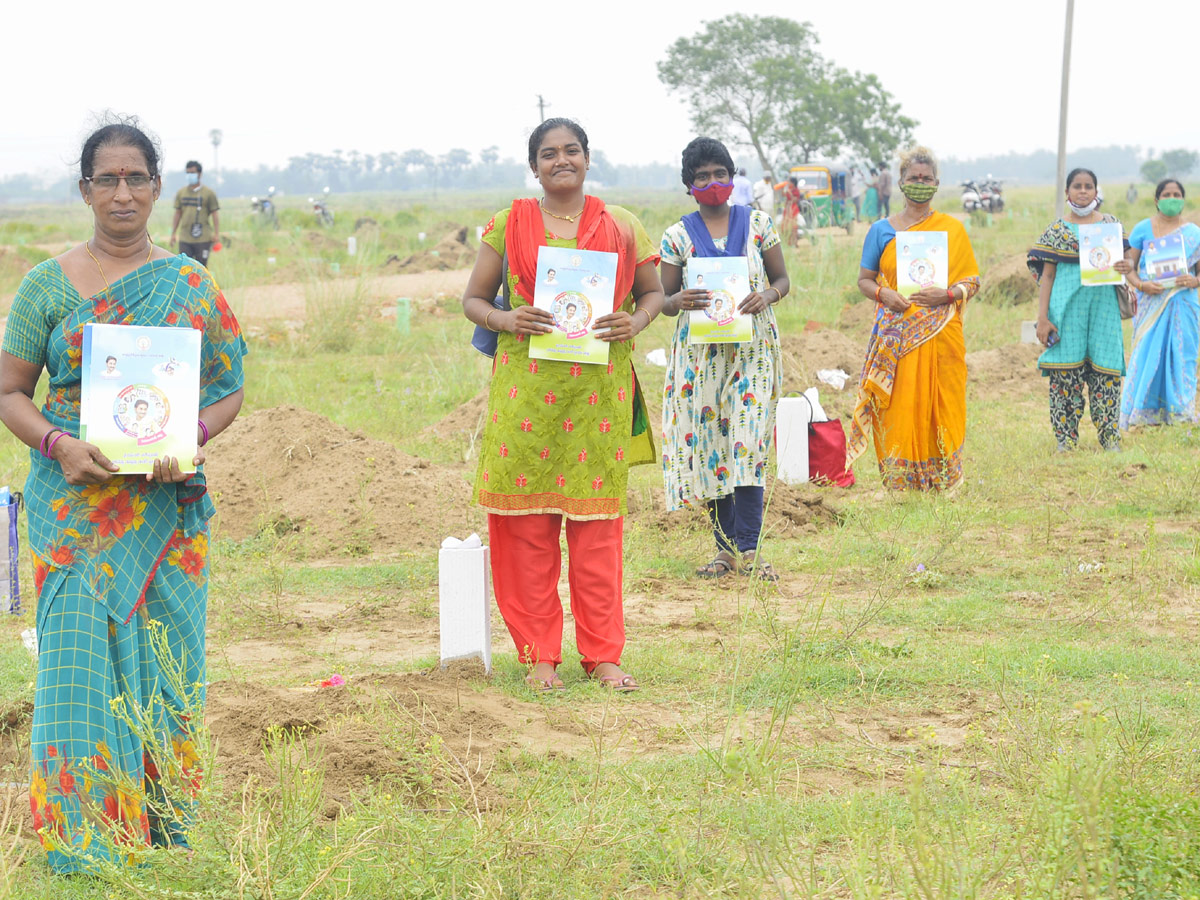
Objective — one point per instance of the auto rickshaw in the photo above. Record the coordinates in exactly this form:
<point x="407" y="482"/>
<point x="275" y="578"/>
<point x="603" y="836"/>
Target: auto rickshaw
<point x="826" y="187"/>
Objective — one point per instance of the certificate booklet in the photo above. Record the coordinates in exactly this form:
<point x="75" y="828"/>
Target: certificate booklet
<point x="921" y="261"/>
<point x="1165" y="259"/>
<point x="141" y="394"/>
<point x="1099" y="247"/>
<point x="576" y="287"/>
<point x="728" y="278"/>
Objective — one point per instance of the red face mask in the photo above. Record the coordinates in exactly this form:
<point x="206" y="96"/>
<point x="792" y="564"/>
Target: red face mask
<point x="714" y="195"/>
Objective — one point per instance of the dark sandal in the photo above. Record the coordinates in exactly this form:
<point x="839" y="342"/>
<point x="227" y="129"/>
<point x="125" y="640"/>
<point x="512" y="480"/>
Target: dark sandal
<point x="755" y="568"/>
<point x="721" y="566"/>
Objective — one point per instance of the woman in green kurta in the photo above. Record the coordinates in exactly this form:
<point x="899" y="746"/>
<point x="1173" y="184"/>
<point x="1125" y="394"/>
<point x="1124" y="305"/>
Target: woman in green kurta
<point x="559" y="436"/>
<point x="1078" y="324"/>
<point x="120" y="561"/>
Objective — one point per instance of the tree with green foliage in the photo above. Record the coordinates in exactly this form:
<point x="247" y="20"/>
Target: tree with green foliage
<point x="1154" y="170"/>
<point x="1180" y="162"/>
<point x="759" y="81"/>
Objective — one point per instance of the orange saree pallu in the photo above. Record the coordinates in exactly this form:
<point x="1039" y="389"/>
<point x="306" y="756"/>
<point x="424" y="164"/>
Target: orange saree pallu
<point x="912" y="398"/>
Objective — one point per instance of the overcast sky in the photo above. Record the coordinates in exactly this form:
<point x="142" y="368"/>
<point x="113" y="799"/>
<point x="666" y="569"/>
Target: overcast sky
<point x="286" y="80"/>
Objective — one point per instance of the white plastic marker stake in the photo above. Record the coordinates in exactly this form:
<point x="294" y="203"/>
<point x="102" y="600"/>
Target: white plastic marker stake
<point x="29" y="639"/>
<point x="1029" y="332"/>
<point x="792" y="415"/>
<point x="464" y="601"/>
<point x="479" y="232"/>
<point x="351" y="246"/>
<point x="421" y="236"/>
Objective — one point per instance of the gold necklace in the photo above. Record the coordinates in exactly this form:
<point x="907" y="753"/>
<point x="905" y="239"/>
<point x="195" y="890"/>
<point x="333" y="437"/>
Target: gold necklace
<point x="108" y="286"/>
<point x="570" y="219"/>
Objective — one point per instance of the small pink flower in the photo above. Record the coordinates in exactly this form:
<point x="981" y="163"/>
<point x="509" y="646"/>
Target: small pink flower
<point x="550" y="398"/>
<point x="521" y="481"/>
<point x="512" y="392"/>
<point x="583" y="455"/>
<point x="568" y="425"/>
<point x="597" y="483"/>
<point x="576" y="370"/>
<point x="605" y="426"/>
<point x="593" y="399"/>
<point x="533" y="366"/>
<point x="503" y="449"/>
<point x="526" y="425"/>
<point x="621" y="394"/>
<point x="545" y="454"/>
<point x="560" y="481"/>
<point x="620" y="453"/>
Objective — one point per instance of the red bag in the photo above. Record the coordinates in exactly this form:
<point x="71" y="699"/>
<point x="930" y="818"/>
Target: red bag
<point x="827" y="454"/>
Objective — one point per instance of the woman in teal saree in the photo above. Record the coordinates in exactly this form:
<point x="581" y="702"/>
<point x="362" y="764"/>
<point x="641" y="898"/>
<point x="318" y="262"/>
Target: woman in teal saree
<point x="121" y="561"/>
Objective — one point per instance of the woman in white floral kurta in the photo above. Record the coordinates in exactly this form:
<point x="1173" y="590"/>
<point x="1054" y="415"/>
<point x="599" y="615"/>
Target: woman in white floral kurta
<point x="719" y="399"/>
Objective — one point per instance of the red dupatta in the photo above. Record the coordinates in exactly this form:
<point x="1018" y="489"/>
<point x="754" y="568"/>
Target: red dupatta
<point x="598" y="230"/>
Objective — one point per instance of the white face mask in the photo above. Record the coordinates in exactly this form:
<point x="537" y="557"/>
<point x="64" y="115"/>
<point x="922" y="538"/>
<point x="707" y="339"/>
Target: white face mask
<point x="1085" y="210"/>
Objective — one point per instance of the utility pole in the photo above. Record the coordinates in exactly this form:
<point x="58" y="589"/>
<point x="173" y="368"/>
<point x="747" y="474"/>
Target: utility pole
<point x="1062" y="111"/>
<point x="542" y="104"/>
<point x="215" y="136"/>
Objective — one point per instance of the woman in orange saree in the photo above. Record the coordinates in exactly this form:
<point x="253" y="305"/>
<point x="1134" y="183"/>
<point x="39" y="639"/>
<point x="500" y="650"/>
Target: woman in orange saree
<point x="912" y="398"/>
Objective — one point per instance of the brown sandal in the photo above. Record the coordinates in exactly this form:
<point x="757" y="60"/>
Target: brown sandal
<point x="723" y="564"/>
<point x="755" y="568"/>
<point x="617" y="683"/>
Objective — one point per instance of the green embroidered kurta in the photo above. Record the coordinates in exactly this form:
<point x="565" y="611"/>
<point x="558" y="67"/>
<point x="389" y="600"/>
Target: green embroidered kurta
<point x="558" y="435"/>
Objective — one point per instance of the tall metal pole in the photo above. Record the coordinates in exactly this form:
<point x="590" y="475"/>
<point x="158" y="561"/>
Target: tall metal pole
<point x="542" y="104"/>
<point x="215" y="135"/>
<point x="1062" y="112"/>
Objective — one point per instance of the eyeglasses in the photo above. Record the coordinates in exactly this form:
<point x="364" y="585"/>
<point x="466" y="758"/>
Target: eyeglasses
<point x="110" y="182"/>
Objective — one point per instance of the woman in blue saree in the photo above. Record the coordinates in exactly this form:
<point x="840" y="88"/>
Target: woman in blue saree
<point x="120" y="561"/>
<point x="1161" y="386"/>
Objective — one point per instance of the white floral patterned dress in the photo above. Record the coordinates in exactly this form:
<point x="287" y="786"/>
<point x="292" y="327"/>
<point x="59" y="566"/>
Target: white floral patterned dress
<point x="718" y="414"/>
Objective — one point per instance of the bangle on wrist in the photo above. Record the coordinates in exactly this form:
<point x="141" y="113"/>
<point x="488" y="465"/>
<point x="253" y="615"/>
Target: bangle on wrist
<point x="42" y="443"/>
<point x="50" y="449"/>
<point x="878" y="293"/>
<point x="487" y="319"/>
<point x="204" y="430"/>
<point x="649" y="318"/>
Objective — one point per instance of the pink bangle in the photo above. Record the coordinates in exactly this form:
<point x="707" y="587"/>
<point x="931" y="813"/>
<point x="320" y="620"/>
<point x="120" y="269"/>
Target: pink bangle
<point x="50" y="449"/>
<point x="42" y="443"/>
<point x="203" y="428"/>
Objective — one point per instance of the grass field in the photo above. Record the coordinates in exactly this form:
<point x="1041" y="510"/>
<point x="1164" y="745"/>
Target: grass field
<point x="987" y="695"/>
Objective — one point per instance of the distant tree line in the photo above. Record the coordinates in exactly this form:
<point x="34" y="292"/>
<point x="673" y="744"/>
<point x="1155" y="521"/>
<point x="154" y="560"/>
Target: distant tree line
<point x="352" y="171"/>
<point x="1113" y="164"/>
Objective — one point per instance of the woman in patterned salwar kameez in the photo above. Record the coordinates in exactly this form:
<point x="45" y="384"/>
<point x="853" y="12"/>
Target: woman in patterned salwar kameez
<point x="912" y="399"/>
<point x="559" y="437"/>
<point x="1079" y="324"/>
<point x="121" y="562"/>
<point x="719" y="400"/>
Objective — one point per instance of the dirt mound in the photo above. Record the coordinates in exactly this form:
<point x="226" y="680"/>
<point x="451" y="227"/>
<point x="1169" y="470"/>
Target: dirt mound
<point x="339" y="492"/>
<point x="464" y="422"/>
<point x="451" y="252"/>
<point x="1005" y="371"/>
<point x="857" y="320"/>
<point x="356" y="753"/>
<point x="790" y="509"/>
<point x="806" y="353"/>
<point x="1008" y="283"/>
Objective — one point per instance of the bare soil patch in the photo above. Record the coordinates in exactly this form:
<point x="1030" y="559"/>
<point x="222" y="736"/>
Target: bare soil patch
<point x="369" y="496"/>
<point x="451" y="252"/>
<point x="1006" y="371"/>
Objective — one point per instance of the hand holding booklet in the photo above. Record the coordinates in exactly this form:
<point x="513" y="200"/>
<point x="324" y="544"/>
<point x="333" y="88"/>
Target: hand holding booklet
<point x="1100" y="246"/>
<point x="141" y="394"/>
<point x="922" y="261"/>
<point x="727" y="279"/>
<point x="577" y="288"/>
<point x="1165" y="259"/>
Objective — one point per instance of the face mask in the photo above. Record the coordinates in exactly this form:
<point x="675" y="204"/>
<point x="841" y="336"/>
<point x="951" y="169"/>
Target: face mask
<point x="1085" y="210"/>
<point x="714" y="195"/>
<point x="193" y="177"/>
<point x="1170" y="206"/>
<point x="918" y="193"/>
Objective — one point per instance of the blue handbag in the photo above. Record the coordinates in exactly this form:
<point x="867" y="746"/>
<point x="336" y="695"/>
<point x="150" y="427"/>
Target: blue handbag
<point x="484" y="339"/>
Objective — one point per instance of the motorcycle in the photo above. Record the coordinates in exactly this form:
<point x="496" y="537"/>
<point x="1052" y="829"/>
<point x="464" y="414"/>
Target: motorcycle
<point x="992" y="195"/>
<point x="321" y="209"/>
<point x="265" y="207"/>
<point x="971" y="197"/>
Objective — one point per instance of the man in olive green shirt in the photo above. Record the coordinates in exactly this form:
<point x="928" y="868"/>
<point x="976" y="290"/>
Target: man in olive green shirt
<point x="195" y="206"/>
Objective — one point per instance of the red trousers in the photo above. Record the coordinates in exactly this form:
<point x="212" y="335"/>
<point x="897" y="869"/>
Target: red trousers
<point x="526" y="562"/>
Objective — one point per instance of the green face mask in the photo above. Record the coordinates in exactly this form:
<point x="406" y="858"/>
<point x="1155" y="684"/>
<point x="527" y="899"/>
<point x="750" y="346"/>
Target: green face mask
<point x="1170" y="206"/>
<point x="918" y="193"/>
